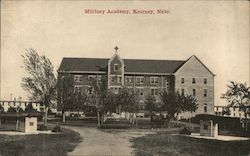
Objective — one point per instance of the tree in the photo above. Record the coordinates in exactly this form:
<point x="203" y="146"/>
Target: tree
<point x="80" y="101"/>
<point x="171" y="102"/>
<point x="65" y="93"/>
<point x="30" y="108"/>
<point x="226" y="111"/>
<point x="188" y="103"/>
<point x="127" y="99"/>
<point x="102" y="98"/>
<point x="40" y="81"/>
<point x="238" y="94"/>
<point x="175" y="103"/>
<point x="1" y="109"/>
<point x="151" y="105"/>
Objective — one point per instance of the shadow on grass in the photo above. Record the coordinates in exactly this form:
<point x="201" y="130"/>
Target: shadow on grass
<point x="41" y="144"/>
<point x="166" y="143"/>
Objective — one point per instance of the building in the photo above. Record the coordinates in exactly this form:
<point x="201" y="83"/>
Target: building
<point x="189" y="76"/>
<point x="235" y="112"/>
<point x="20" y="104"/>
<point x="23" y="122"/>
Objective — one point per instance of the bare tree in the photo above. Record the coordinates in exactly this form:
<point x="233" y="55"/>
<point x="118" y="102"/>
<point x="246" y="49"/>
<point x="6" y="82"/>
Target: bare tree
<point x="40" y="81"/>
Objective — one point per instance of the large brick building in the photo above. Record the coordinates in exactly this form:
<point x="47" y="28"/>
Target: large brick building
<point x="189" y="76"/>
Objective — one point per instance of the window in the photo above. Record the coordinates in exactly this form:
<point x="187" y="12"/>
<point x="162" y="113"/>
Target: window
<point x="77" y="89"/>
<point x="99" y="77"/>
<point x="128" y="79"/>
<point x="194" y="92"/>
<point x="112" y="79"/>
<point x="234" y="114"/>
<point x="78" y="78"/>
<point x="31" y="123"/>
<point x="90" y="90"/>
<point x="119" y="80"/>
<point x="139" y="79"/>
<point x="167" y="84"/>
<point x="234" y="108"/>
<point x="141" y="105"/>
<point x="153" y="80"/>
<point x="154" y="91"/>
<point x="205" y="92"/>
<point x="193" y="80"/>
<point x="182" y="80"/>
<point x="205" y="126"/>
<point x="239" y="114"/>
<point x="205" y="81"/>
<point x="116" y="90"/>
<point x="140" y="91"/>
<point x="182" y="91"/>
<point x="115" y="67"/>
<point x="205" y="107"/>
<point x="91" y="77"/>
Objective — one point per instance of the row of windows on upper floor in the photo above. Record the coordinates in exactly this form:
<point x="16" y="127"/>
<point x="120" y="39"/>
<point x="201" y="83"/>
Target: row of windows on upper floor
<point x="138" y="79"/>
<point x="194" y="92"/>
<point x="79" y="78"/>
<point x="194" y="80"/>
<point x="118" y="79"/>
<point x="129" y="79"/>
<point x="153" y="91"/>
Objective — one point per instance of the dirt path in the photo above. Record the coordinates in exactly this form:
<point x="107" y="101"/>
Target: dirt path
<point x="97" y="142"/>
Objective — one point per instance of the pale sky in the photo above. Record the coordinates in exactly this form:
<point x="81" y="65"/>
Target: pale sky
<point x="217" y="32"/>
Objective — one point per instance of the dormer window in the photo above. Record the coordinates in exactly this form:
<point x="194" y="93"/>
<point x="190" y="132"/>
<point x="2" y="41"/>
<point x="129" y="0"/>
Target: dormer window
<point x="115" y="67"/>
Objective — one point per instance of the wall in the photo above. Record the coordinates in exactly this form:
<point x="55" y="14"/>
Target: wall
<point x="28" y="127"/>
<point x="211" y="129"/>
<point x="193" y="68"/>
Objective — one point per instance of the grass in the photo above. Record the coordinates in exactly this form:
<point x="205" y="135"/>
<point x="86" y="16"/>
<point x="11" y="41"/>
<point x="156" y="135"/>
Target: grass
<point x="165" y="143"/>
<point x="86" y="122"/>
<point x="39" y="145"/>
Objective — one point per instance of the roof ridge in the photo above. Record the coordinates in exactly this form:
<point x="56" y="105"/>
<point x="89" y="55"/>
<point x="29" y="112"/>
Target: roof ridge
<point x="83" y="58"/>
<point x="122" y="59"/>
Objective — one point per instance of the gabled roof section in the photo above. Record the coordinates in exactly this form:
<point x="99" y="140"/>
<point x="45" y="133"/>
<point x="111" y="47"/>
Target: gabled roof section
<point x="83" y="64"/>
<point x="152" y="66"/>
<point x="131" y="65"/>
<point x="203" y="65"/>
<point x="199" y="62"/>
<point x="114" y="56"/>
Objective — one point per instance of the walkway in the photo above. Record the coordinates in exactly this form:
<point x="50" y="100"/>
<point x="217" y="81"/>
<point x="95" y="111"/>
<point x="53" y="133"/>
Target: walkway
<point x="97" y="142"/>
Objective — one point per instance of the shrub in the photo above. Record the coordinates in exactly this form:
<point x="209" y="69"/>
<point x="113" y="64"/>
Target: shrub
<point x="185" y="131"/>
<point x="57" y="129"/>
<point x="42" y="128"/>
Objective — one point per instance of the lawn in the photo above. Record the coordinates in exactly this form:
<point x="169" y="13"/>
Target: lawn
<point x="39" y="145"/>
<point x="167" y="143"/>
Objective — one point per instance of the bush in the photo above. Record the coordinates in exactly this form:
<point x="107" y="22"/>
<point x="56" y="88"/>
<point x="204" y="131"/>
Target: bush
<point x="57" y="129"/>
<point x="42" y="128"/>
<point x="185" y="131"/>
<point x="225" y="123"/>
<point x="147" y="115"/>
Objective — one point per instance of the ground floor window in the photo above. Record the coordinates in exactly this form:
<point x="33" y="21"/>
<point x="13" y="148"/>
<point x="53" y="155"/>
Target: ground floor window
<point x="154" y="91"/>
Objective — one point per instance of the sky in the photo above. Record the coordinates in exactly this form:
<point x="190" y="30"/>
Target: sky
<point x="217" y="32"/>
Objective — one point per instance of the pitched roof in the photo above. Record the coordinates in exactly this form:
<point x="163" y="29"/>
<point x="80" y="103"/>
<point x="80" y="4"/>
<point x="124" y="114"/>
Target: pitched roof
<point x="131" y="65"/>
